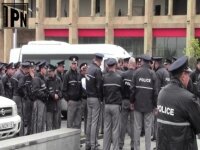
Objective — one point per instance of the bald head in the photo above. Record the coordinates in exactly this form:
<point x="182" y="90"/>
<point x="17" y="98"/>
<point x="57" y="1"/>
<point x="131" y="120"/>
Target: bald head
<point x="132" y="63"/>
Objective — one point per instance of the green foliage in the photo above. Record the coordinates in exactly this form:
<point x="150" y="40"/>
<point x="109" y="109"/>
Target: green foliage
<point x="193" y="51"/>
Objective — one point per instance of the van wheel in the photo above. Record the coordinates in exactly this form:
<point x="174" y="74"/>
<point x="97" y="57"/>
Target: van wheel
<point x="64" y="114"/>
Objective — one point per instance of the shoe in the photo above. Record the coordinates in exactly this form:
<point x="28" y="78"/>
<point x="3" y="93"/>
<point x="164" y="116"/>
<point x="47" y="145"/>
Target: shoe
<point x="154" y="148"/>
<point x="132" y="148"/>
<point x="120" y="148"/>
<point x="153" y="139"/>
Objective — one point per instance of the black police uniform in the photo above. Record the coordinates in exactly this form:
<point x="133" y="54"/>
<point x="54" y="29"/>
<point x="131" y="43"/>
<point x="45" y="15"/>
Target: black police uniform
<point x="60" y="74"/>
<point x="143" y="96"/>
<point x="126" y="112"/>
<point x="54" y="86"/>
<point x="18" y="93"/>
<point x="7" y="83"/>
<point x="94" y="97"/>
<point x="40" y="93"/>
<point x="72" y="92"/>
<point x="178" y="113"/>
<point x="113" y="88"/>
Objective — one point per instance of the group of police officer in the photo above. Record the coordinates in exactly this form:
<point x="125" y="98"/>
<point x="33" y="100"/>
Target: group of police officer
<point x="135" y="94"/>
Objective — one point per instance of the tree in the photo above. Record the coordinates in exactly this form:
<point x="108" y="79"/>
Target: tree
<point x="193" y="51"/>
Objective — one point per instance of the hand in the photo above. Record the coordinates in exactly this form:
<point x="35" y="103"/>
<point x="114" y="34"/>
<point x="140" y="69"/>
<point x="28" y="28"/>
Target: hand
<point x="56" y="96"/>
<point x="132" y="107"/>
<point x="155" y="111"/>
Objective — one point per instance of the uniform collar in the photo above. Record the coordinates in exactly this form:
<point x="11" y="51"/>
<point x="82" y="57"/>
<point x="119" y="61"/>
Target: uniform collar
<point x="177" y="82"/>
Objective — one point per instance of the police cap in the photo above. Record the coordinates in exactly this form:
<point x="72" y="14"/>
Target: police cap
<point x="42" y="64"/>
<point x="138" y="59"/>
<point x="51" y="67"/>
<point x="17" y="64"/>
<point x="146" y="57"/>
<point x="174" y="58"/>
<point x="167" y="61"/>
<point x="73" y="58"/>
<point x="156" y="58"/>
<point x="37" y="63"/>
<point x="62" y="62"/>
<point x="111" y="62"/>
<point x="126" y="59"/>
<point x="180" y="65"/>
<point x="99" y="55"/>
<point x="83" y="65"/>
<point x="10" y="66"/>
<point x="25" y="64"/>
<point x="32" y="63"/>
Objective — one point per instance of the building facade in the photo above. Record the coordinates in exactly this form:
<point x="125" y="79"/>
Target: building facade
<point x="157" y="27"/>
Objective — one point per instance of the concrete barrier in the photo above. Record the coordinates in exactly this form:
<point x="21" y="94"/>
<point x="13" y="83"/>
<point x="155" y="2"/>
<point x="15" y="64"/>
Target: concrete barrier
<point x="61" y="139"/>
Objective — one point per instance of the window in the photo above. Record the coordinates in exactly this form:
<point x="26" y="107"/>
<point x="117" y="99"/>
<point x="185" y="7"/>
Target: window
<point x="197" y="7"/>
<point x="168" y="46"/>
<point x="91" y="40"/>
<point x="84" y="8"/>
<point x="160" y="7"/>
<point x="61" y="39"/>
<point x="121" y="8"/>
<point x="32" y="8"/>
<point x="179" y="7"/>
<point x="50" y="8"/>
<point x="24" y="36"/>
<point x="138" y="7"/>
<point x="133" y="45"/>
<point x="64" y="8"/>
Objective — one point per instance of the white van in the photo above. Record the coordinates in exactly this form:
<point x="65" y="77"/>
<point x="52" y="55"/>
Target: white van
<point x="54" y="51"/>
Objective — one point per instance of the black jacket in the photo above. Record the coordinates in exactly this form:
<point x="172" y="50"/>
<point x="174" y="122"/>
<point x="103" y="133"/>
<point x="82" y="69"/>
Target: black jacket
<point x="8" y="87"/>
<point x="178" y="118"/>
<point x="18" y="82"/>
<point x="39" y="89"/>
<point x="54" y="86"/>
<point x="144" y="89"/>
<point x="163" y="77"/>
<point x="113" y="88"/>
<point x="127" y="77"/>
<point x="94" y="81"/>
<point x="72" y="88"/>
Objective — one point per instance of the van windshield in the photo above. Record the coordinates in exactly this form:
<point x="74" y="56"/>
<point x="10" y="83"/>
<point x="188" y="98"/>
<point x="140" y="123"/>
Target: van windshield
<point x="53" y="59"/>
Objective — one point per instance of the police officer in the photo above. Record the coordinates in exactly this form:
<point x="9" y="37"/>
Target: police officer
<point x="18" y="91"/>
<point x="83" y="71"/>
<point x="167" y="63"/>
<point x="6" y="80"/>
<point x="40" y="94"/>
<point x="29" y="98"/>
<point x="60" y="72"/>
<point x="60" y="69"/>
<point x="125" y="63"/>
<point x="54" y="86"/>
<point x="113" y="90"/>
<point x="143" y="97"/>
<point x="163" y="79"/>
<point x="126" y="109"/>
<point x="94" y="98"/>
<point x="178" y="111"/>
<point x="72" y="92"/>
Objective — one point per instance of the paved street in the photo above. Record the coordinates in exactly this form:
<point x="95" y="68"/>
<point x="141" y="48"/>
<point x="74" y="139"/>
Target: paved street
<point x="127" y="140"/>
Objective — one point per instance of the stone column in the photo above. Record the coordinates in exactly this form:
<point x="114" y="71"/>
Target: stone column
<point x="93" y="7"/>
<point x="130" y="7"/>
<point x="191" y="10"/>
<point x="170" y="7"/>
<point x="58" y="9"/>
<point x="7" y="40"/>
<point x="148" y="27"/>
<point x="39" y="24"/>
<point x="73" y="16"/>
<point x="109" y="32"/>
